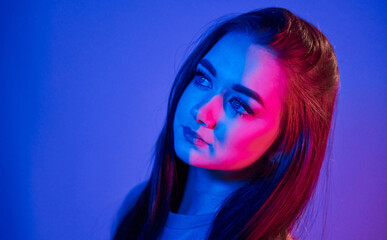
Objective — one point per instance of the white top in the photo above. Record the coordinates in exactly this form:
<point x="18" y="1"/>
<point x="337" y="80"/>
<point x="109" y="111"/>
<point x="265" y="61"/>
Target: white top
<point x="178" y="226"/>
<point x="184" y="227"/>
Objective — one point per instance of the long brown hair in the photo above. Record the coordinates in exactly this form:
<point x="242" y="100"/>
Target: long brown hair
<point x="286" y="176"/>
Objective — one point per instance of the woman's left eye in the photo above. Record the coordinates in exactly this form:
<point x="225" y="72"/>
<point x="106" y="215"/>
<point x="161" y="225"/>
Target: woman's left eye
<point x="240" y="107"/>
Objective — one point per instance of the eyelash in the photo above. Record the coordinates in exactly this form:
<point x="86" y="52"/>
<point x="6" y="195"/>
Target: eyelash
<point x="201" y="74"/>
<point x="250" y="113"/>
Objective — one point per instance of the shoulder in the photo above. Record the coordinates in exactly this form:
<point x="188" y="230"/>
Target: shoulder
<point x="131" y="199"/>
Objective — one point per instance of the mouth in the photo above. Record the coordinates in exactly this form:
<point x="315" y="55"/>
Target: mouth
<point x="193" y="137"/>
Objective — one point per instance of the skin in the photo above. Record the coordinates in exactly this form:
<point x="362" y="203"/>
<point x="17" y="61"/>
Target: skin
<point x="236" y="128"/>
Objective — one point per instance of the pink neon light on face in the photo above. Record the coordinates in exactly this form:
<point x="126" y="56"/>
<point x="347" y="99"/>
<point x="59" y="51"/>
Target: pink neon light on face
<point x="235" y="129"/>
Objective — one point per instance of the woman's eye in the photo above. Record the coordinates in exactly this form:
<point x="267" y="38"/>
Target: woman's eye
<point x="239" y="107"/>
<point x="201" y="80"/>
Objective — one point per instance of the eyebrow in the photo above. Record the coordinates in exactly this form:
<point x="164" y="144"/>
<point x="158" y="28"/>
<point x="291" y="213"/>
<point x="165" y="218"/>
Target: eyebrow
<point x="205" y="63"/>
<point x="237" y="87"/>
<point x="248" y="92"/>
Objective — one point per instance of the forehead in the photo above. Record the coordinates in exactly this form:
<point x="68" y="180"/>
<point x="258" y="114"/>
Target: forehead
<point x="238" y="60"/>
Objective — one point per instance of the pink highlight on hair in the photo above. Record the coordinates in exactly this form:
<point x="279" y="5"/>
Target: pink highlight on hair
<point x="312" y="85"/>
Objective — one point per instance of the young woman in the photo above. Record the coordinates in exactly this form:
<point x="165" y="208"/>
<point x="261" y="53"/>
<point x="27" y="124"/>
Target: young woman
<point x="248" y="120"/>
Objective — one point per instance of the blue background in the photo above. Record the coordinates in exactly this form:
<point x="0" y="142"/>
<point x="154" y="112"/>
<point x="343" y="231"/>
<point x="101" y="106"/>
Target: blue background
<point x="84" y="88"/>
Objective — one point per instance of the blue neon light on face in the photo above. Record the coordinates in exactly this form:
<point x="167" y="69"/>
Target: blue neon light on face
<point x="229" y="114"/>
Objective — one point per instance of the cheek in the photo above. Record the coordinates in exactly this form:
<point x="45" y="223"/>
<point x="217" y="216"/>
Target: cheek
<point x="187" y="100"/>
<point x="252" y="135"/>
<point x="182" y="106"/>
<point x="245" y="143"/>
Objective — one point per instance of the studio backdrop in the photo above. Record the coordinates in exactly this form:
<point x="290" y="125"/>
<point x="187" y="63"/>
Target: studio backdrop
<point x="84" y="90"/>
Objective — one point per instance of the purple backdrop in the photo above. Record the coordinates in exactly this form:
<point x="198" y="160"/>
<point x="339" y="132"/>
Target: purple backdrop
<point x="84" y="87"/>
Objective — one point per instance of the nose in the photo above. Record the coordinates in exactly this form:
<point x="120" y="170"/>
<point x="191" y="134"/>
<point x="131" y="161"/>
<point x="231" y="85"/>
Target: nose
<point x="208" y="113"/>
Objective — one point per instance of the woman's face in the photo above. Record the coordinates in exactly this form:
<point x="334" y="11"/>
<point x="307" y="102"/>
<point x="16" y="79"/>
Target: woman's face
<point x="229" y="114"/>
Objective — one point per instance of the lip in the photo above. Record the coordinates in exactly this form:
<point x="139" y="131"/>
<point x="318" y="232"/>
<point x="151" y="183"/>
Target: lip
<point x="193" y="137"/>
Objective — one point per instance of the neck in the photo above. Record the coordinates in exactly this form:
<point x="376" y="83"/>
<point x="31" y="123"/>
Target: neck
<point x="205" y="190"/>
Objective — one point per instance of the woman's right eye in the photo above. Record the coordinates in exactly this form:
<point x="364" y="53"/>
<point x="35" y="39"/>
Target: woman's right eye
<point x="201" y="80"/>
